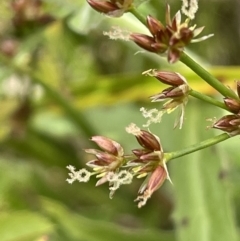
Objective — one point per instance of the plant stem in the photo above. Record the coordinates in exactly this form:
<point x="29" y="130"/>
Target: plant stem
<point x="207" y="99"/>
<point x="138" y="15"/>
<point x="76" y="116"/>
<point x="197" y="147"/>
<point x="205" y="75"/>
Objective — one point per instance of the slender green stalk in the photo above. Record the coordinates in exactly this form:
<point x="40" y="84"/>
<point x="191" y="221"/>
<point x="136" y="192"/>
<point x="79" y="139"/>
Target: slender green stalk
<point x="75" y="115"/>
<point x="197" y="147"/>
<point x="205" y="75"/>
<point x="138" y="15"/>
<point x="207" y="99"/>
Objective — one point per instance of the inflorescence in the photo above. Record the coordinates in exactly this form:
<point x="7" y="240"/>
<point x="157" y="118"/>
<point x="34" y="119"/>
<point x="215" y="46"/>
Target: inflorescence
<point x="111" y="164"/>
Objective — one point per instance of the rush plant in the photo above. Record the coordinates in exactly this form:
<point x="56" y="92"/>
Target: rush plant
<point x="148" y="160"/>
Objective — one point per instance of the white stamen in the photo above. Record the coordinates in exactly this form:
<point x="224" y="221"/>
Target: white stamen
<point x="189" y="8"/>
<point x="153" y="116"/>
<point x="82" y="175"/>
<point x="125" y="177"/>
<point x="142" y="199"/>
<point x="117" y="33"/>
<point x="133" y="129"/>
<point x="112" y="177"/>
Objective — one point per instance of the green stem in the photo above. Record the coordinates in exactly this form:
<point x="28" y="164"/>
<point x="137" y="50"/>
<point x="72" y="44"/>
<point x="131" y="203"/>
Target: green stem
<point x="205" y="75"/>
<point x="197" y="147"/>
<point x="76" y="116"/>
<point x="208" y="99"/>
<point x="138" y="15"/>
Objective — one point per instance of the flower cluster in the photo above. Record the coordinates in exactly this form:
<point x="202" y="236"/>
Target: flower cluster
<point x="176" y="96"/>
<point x="170" y="39"/>
<point x="106" y="166"/>
<point x="113" y="166"/>
<point x="114" y="8"/>
<point x="149" y="162"/>
<point x="230" y="123"/>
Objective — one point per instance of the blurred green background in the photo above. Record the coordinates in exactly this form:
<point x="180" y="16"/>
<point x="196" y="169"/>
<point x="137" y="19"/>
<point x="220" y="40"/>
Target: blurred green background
<point x="62" y="81"/>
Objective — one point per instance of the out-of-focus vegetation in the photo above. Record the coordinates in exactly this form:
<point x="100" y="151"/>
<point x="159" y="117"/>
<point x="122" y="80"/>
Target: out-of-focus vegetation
<point x="62" y="81"/>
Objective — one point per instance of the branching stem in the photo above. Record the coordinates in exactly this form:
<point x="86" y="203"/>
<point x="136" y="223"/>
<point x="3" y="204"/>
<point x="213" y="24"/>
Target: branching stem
<point x="197" y="147"/>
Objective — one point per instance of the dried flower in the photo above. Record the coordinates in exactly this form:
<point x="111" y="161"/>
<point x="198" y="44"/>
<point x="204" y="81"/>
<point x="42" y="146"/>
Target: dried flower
<point x="170" y="39"/>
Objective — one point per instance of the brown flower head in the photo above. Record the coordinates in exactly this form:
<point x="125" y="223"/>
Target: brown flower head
<point x="229" y="124"/>
<point x="109" y="159"/>
<point x="106" y="165"/>
<point x="170" y="38"/>
<point x="149" y="163"/>
<point x="233" y="105"/>
<point x="176" y="96"/>
<point x="167" y="77"/>
<point x="151" y="184"/>
<point x="114" y="8"/>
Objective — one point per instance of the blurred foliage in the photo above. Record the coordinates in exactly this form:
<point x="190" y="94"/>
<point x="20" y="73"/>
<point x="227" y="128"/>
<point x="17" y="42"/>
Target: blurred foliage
<point x="62" y="81"/>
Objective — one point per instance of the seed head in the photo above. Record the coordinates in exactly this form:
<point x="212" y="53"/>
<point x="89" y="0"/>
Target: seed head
<point x="102" y="7"/>
<point x="113" y="8"/>
<point x="108" y="145"/>
<point x="170" y="38"/>
<point x="232" y="104"/>
<point x="229" y="124"/>
<point x="152" y="183"/>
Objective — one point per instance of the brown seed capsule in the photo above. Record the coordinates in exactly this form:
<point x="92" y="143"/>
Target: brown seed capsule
<point x="171" y="92"/>
<point x="186" y="35"/>
<point x="169" y="78"/>
<point x="155" y="181"/>
<point x="153" y="156"/>
<point x="148" y="141"/>
<point x="102" y="6"/>
<point x="228" y="123"/>
<point x="140" y="152"/>
<point x="232" y="104"/>
<point x="144" y="41"/>
<point x="108" y="145"/>
<point x="154" y="25"/>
